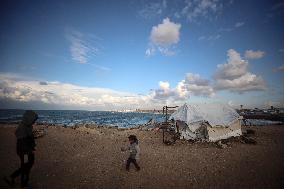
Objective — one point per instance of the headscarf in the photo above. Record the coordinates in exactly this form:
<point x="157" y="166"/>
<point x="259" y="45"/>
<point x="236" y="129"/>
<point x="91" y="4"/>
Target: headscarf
<point x="25" y="127"/>
<point x="134" y="138"/>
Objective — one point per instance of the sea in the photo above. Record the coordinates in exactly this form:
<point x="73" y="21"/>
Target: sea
<point x="107" y="118"/>
<point x="75" y="117"/>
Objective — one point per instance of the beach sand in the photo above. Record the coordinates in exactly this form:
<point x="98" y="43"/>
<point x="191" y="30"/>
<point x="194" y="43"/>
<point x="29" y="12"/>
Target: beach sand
<point x="91" y="158"/>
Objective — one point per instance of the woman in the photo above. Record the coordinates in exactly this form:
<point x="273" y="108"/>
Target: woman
<point x="25" y="148"/>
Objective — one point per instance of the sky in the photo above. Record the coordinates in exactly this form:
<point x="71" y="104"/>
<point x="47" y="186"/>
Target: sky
<point x="141" y="54"/>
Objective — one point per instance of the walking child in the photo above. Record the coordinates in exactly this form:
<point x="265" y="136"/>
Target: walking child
<point x="134" y="151"/>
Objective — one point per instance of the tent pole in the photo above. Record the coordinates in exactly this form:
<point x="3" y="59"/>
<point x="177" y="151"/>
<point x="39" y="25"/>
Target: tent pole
<point x="163" y="135"/>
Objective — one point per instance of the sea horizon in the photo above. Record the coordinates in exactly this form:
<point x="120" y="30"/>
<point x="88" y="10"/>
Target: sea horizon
<point x="77" y="117"/>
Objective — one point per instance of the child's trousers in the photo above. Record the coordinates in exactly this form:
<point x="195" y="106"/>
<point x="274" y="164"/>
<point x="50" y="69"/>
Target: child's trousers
<point x="131" y="160"/>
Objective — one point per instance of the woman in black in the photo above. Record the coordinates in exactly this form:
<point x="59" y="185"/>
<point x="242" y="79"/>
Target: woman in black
<point x="25" y="148"/>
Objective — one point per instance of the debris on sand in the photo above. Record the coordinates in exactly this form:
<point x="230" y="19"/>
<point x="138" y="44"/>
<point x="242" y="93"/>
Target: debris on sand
<point x="221" y="145"/>
<point x="248" y="140"/>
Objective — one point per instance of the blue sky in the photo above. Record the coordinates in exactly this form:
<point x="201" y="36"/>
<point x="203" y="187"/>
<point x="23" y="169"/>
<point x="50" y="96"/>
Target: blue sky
<point x="110" y="55"/>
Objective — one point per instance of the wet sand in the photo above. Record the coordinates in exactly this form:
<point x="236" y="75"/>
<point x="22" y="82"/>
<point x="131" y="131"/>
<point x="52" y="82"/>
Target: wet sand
<point x="91" y="158"/>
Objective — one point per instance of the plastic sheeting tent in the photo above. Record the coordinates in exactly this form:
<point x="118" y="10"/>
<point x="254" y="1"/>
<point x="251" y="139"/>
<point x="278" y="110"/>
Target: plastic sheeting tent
<point x="207" y="121"/>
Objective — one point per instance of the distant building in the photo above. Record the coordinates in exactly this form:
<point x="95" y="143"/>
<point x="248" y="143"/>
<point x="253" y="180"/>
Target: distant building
<point x="280" y="110"/>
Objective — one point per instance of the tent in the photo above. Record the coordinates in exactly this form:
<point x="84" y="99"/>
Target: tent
<point x="210" y="122"/>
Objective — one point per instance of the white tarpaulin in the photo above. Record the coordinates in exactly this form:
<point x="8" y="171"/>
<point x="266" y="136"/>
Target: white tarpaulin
<point x="211" y="121"/>
<point x="215" y="114"/>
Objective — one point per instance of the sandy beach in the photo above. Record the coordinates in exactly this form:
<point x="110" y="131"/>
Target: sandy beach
<point x="91" y="158"/>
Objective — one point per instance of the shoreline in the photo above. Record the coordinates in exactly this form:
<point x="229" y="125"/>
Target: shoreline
<point x="86" y="125"/>
<point x="135" y="126"/>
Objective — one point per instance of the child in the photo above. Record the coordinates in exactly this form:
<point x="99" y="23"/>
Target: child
<point x="25" y="148"/>
<point x="134" y="151"/>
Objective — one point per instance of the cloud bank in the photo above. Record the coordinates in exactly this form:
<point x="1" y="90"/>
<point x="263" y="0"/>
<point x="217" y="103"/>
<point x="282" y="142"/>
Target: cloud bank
<point x="69" y="96"/>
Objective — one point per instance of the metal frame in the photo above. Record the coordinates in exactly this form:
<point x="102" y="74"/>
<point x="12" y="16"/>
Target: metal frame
<point x="166" y="124"/>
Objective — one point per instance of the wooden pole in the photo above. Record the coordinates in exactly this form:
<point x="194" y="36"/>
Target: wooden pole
<point x="163" y="135"/>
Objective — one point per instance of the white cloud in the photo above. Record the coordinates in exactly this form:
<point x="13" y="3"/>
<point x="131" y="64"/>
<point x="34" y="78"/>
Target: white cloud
<point x="247" y="82"/>
<point x="164" y="85"/>
<point x="193" y="84"/>
<point x="198" y="86"/>
<point x="167" y="51"/>
<point x="210" y="38"/>
<point x="234" y="75"/>
<point x="163" y="37"/>
<point x="164" y="93"/>
<point x="214" y="37"/>
<point x="250" y="54"/>
<point x="166" y="33"/>
<point x="235" y="68"/>
<point x="232" y="28"/>
<point x="81" y="49"/>
<point x="226" y="29"/>
<point x="171" y="96"/>
<point x="153" y="9"/>
<point x="201" y="8"/>
<point x="181" y="90"/>
<point x="239" y="24"/>
<point x="196" y="79"/>
<point x="279" y="68"/>
<point x="177" y="15"/>
<point x="150" y="51"/>
<point x="281" y="50"/>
